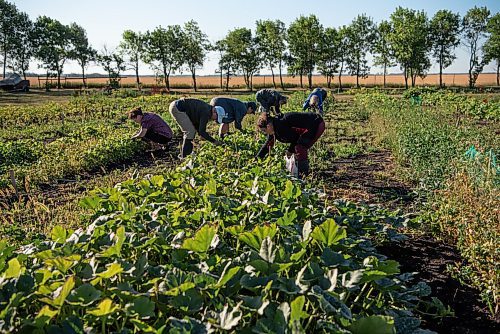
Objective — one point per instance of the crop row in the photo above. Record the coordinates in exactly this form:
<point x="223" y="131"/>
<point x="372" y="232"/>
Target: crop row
<point x="216" y="245"/>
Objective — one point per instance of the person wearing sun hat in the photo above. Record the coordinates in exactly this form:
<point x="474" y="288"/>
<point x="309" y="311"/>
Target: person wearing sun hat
<point x="192" y="116"/>
<point x="235" y="110"/>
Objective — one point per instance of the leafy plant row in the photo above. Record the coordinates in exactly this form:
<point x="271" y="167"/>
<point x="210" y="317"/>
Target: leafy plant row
<point x="215" y="245"/>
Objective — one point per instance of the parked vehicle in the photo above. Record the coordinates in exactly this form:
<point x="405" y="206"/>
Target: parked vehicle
<point x="14" y="82"/>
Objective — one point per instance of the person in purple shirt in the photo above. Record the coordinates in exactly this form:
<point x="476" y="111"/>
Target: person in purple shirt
<point x="153" y="127"/>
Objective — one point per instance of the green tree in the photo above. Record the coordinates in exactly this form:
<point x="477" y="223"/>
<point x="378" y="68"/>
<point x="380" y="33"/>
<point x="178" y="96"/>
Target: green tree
<point x="330" y="55"/>
<point x="23" y="47"/>
<point x="361" y="35"/>
<point x="132" y="46"/>
<point x="8" y="15"/>
<point x="270" y="37"/>
<point x="382" y="48"/>
<point x="243" y="52"/>
<point x="194" y="47"/>
<point x="444" y="36"/>
<point x="162" y="50"/>
<point x="492" y="45"/>
<point x="305" y="36"/>
<point x="81" y="50"/>
<point x="53" y="45"/>
<point x="474" y="30"/>
<point x="113" y="63"/>
<point x="225" y="63"/>
<point x="409" y="38"/>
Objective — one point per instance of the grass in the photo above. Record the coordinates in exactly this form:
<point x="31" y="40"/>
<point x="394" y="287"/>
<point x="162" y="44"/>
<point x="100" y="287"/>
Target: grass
<point x="461" y="195"/>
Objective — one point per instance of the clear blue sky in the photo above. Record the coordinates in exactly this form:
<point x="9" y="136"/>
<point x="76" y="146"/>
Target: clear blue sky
<point x="105" y="20"/>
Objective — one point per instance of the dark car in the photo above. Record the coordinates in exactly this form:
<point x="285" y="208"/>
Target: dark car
<point x="14" y="82"/>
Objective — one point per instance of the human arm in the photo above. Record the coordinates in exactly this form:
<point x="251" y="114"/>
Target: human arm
<point x="140" y="134"/>
<point x="264" y="150"/>
<point x="202" y="128"/>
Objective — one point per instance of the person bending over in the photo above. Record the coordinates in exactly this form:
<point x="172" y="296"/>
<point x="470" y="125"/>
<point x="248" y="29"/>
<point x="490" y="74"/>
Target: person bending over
<point x="153" y="127"/>
<point x="299" y="129"/>
<point x="315" y="100"/>
<point x="270" y="99"/>
<point x="235" y="111"/>
<point x="192" y="116"/>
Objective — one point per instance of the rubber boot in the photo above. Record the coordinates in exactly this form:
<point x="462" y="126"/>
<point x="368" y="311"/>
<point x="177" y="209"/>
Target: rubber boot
<point x="187" y="147"/>
<point x="303" y="167"/>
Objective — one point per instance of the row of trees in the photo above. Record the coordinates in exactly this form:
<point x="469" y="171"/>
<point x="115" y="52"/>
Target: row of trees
<point x="409" y="39"/>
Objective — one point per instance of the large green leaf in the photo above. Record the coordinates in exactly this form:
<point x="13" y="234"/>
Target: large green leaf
<point x="84" y="295"/>
<point x="267" y="250"/>
<point x="229" y="319"/>
<point x="142" y="306"/>
<point x="375" y="324"/>
<point x="58" y="234"/>
<point x="113" y="270"/>
<point x="202" y="240"/>
<point x="105" y="308"/>
<point x="60" y="295"/>
<point x="13" y="269"/>
<point x="257" y="235"/>
<point x="328" y="233"/>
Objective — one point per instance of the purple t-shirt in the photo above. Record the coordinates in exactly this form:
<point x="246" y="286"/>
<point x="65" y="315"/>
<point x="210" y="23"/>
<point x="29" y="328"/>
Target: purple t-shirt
<point x="156" y="124"/>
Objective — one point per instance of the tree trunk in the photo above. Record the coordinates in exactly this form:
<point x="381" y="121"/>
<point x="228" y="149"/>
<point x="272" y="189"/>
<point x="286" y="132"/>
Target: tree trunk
<point x="309" y="78"/>
<point x="83" y="77"/>
<point x="193" y="75"/>
<point x="385" y="72"/>
<point x="357" y="75"/>
<point x="4" y="61"/>
<point x="251" y="83"/>
<point x="228" y="74"/>
<point x="340" y="76"/>
<point x="272" y="72"/>
<point x="166" y="76"/>
<point x="301" y="84"/>
<point x="58" y="79"/>
<point x="137" y="74"/>
<point x="405" y="74"/>
<point x="281" y="78"/>
<point x="498" y="73"/>
<point x="221" y="79"/>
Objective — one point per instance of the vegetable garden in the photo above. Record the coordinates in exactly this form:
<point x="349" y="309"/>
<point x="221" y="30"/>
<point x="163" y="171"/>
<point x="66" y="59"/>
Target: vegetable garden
<point x="218" y="244"/>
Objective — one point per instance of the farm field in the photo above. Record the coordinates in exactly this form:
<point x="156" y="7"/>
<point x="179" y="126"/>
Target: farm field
<point x="451" y="80"/>
<point x="99" y="231"/>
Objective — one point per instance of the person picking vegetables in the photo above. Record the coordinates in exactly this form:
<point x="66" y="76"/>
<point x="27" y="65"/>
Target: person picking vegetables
<point x="315" y="100"/>
<point x="192" y="116"/>
<point x="153" y="127"/>
<point x="299" y="129"/>
<point x="270" y="99"/>
<point x="235" y="110"/>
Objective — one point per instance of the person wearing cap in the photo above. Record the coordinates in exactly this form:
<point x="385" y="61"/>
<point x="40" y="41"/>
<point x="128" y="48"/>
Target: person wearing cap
<point x="192" y="116"/>
<point x="299" y="129"/>
<point x="270" y="99"/>
<point x="153" y="127"/>
<point x="235" y="111"/>
<point x="315" y="100"/>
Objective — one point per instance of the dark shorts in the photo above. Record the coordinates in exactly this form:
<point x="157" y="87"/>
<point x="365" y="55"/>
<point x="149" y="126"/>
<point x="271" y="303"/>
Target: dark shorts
<point x="156" y="137"/>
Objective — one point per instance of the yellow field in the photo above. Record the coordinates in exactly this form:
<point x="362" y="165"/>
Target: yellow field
<point x="487" y="79"/>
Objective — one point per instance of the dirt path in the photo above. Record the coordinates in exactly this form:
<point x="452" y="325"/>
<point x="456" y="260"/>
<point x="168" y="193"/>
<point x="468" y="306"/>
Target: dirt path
<point x="371" y="178"/>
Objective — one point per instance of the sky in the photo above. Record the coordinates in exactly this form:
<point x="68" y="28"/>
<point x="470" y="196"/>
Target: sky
<point x="105" y="20"/>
